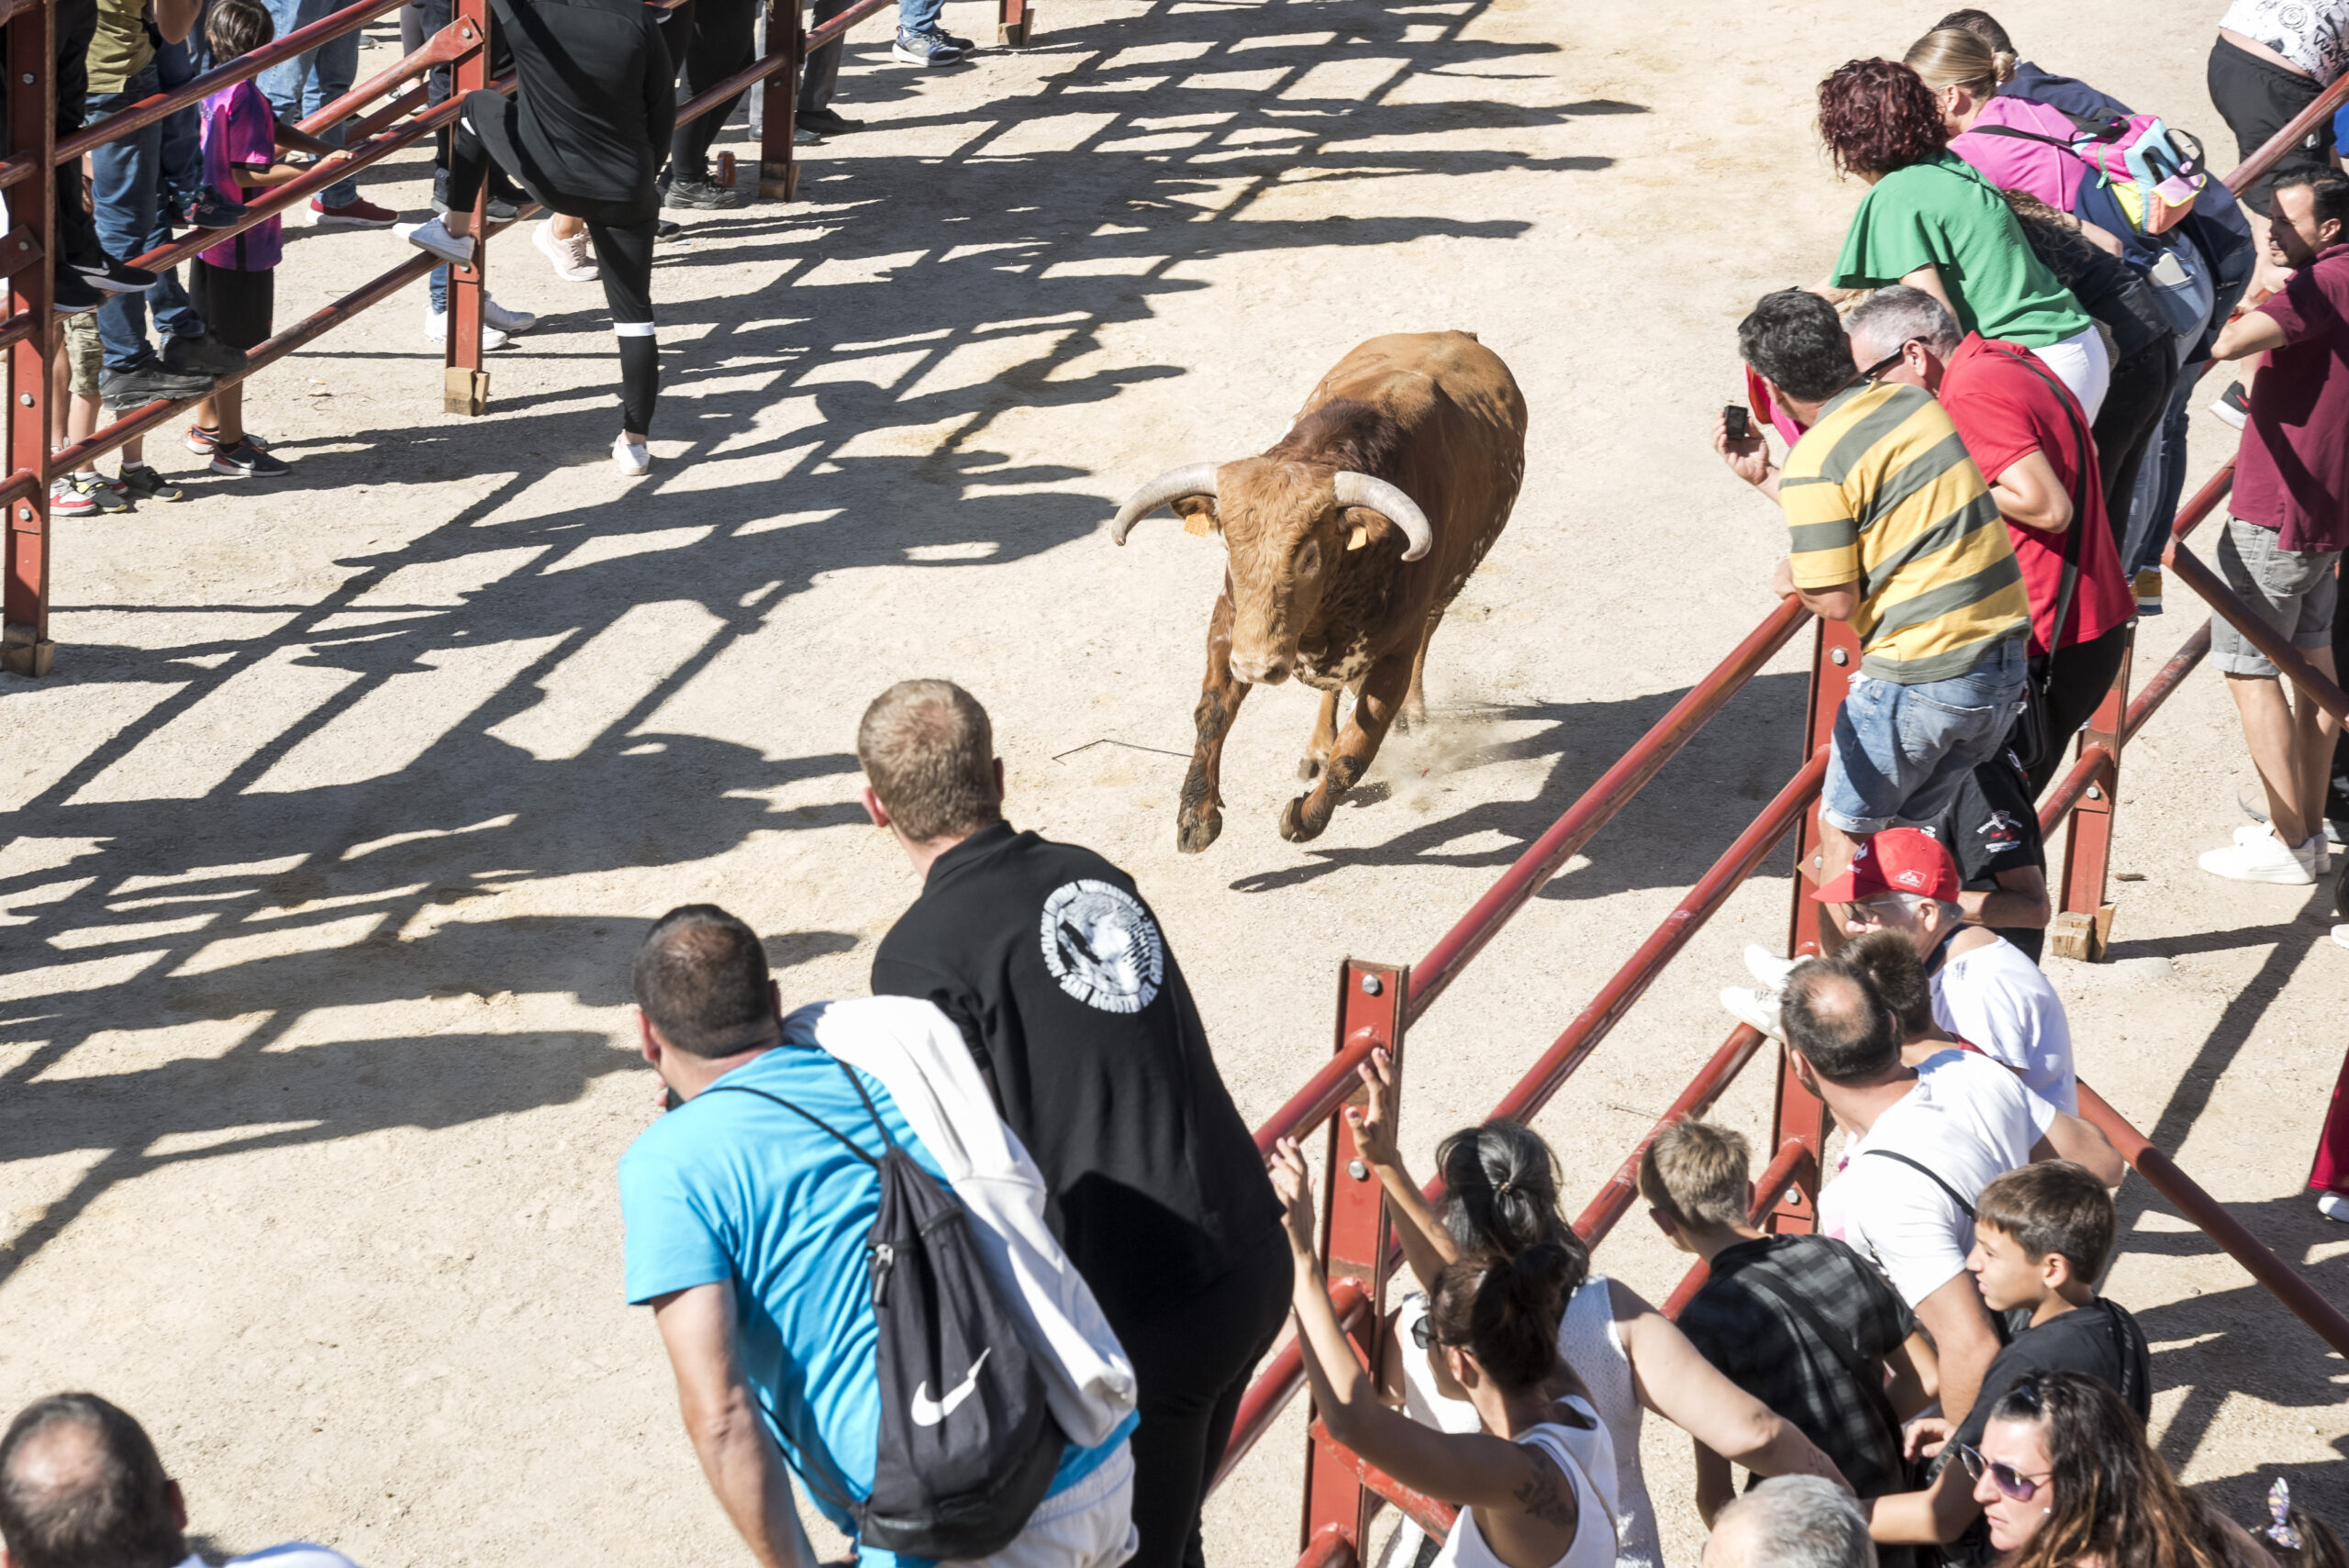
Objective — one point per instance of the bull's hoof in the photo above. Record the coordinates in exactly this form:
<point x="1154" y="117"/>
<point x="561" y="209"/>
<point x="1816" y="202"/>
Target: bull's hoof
<point x="1193" y="833"/>
<point x="1308" y="767"/>
<point x="1296" y="827"/>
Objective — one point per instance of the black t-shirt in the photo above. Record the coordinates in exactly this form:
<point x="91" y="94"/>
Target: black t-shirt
<point x="598" y="99"/>
<point x="1992" y="828"/>
<point x="2101" y="1339"/>
<point x="1057" y="973"/>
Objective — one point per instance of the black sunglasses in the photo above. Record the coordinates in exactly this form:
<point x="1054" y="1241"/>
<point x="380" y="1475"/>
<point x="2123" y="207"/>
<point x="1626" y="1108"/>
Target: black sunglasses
<point x="1424" y="1332"/>
<point x="1885" y="363"/>
<point x="2010" y="1482"/>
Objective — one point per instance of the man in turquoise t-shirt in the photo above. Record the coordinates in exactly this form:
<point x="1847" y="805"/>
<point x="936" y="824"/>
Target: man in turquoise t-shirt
<point x="746" y="1236"/>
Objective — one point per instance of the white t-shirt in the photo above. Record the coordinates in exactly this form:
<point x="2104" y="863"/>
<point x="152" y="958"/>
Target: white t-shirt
<point x="1997" y="999"/>
<point x="1968" y="1120"/>
<point x="2311" y="34"/>
<point x="292" y="1555"/>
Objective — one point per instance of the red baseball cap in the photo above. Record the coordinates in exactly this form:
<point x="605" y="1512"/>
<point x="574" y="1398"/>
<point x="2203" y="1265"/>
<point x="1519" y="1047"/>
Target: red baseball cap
<point x="1898" y="859"/>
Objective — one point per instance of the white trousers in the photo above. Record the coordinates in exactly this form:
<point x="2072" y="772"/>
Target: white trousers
<point x="1091" y="1525"/>
<point x="2081" y="363"/>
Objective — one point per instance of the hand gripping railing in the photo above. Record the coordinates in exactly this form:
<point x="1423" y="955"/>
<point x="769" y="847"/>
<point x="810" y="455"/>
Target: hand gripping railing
<point x="1377" y="1004"/>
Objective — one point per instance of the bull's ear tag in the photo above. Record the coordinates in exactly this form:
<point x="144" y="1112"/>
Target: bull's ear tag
<point x="1360" y="537"/>
<point x="1195" y="525"/>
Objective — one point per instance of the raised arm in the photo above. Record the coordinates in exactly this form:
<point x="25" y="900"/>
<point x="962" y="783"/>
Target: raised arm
<point x="2083" y="1142"/>
<point x="1964" y="1341"/>
<point x="1677" y="1382"/>
<point x="1427" y="1247"/>
<point x="728" y="1434"/>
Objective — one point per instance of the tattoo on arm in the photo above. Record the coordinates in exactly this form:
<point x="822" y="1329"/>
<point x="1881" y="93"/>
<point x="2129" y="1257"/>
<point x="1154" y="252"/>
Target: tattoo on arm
<point x="1542" y="1495"/>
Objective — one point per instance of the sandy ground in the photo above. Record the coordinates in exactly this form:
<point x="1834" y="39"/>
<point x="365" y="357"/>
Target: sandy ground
<point x="331" y="834"/>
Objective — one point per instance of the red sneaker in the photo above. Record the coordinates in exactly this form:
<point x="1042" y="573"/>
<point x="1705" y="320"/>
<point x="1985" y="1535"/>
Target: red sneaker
<point x="356" y="213"/>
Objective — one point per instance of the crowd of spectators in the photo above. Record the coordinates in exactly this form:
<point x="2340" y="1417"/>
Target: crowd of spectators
<point x="1018" y="1150"/>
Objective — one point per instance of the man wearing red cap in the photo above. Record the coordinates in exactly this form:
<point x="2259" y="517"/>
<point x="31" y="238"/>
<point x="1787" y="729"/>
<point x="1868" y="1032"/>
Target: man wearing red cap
<point x="1987" y="991"/>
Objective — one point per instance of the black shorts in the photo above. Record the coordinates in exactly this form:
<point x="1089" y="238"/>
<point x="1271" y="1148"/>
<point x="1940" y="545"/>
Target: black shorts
<point x="2259" y="98"/>
<point x="236" y="306"/>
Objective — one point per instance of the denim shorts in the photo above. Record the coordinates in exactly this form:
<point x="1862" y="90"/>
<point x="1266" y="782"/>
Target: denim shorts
<point x="2293" y="590"/>
<point x="1900" y="752"/>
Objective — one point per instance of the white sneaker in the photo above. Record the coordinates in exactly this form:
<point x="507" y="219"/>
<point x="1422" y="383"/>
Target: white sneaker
<point x="2319" y="851"/>
<point x="2341" y="935"/>
<point x="1768" y="967"/>
<point x="1759" y="1009"/>
<point x="433" y="235"/>
<point x="436" y="326"/>
<point x="575" y="260"/>
<point x="2264" y="858"/>
<point x="509" y="322"/>
<point x="634" y="457"/>
<point x="2333" y="1206"/>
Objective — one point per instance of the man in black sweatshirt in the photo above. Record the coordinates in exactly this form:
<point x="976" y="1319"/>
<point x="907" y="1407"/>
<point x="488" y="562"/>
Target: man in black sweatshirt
<point x="1057" y="973"/>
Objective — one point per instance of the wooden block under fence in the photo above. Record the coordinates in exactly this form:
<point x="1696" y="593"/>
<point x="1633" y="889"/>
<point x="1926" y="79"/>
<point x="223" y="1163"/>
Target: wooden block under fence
<point x="2082" y="936"/>
<point x="779" y="182"/>
<point x="1014" y="35"/>
<point x="464" y="392"/>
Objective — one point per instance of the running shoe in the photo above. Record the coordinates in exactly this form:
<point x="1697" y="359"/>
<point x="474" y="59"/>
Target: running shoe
<point x="574" y="258"/>
<point x="667" y="228"/>
<point x="634" y="457"/>
<point x="436" y="328"/>
<point x="106" y="494"/>
<point x="117" y="277"/>
<point x="66" y="500"/>
<point x="356" y="213"/>
<point x="2341" y="935"/>
<point x="2336" y="1206"/>
<point x="1758" y="1009"/>
<point x="1768" y="967"/>
<point x="153" y="382"/>
<point x="141" y="482"/>
<point x="930" y="46"/>
<point x="508" y="322"/>
<point x="208" y="210"/>
<point x="2234" y="405"/>
<point x="2265" y="858"/>
<point x="824" y="122"/>
<point x="203" y="354"/>
<point x="2148" y="588"/>
<point x="70" y="294"/>
<point x="433" y="235"/>
<point x="247" y="461"/>
<point x="2318" y="851"/>
<point x="701" y="195"/>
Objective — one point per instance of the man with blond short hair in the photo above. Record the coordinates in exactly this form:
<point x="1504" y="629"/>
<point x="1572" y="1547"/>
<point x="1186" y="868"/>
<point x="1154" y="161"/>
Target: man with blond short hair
<point x="1068" y="995"/>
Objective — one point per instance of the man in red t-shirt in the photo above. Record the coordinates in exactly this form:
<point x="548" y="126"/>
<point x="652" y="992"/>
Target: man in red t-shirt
<point x="2027" y="435"/>
<point x="2282" y="548"/>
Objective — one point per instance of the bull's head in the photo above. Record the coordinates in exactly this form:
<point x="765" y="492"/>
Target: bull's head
<point x="1283" y="525"/>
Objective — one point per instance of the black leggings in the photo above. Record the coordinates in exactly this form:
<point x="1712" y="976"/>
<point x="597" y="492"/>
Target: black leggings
<point x="722" y="44"/>
<point x="623" y="258"/>
<point x="1192" y="1361"/>
<point x="2081" y="675"/>
<point x="2128" y="425"/>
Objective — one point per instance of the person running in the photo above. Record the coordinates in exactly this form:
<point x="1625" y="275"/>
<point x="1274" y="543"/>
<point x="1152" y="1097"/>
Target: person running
<point x="583" y="136"/>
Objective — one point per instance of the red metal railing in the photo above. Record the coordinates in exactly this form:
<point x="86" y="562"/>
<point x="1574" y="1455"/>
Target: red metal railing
<point x="1343" y="1490"/>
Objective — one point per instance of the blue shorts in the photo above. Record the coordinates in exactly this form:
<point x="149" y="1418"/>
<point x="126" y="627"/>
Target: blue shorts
<point x="1900" y="752"/>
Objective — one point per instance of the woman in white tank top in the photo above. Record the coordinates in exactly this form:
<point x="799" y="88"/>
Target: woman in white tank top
<point x="1500" y="1193"/>
<point x="1523" y="1481"/>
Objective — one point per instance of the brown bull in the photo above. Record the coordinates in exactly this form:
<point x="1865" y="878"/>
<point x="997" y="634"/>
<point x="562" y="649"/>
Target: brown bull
<point x="1346" y="543"/>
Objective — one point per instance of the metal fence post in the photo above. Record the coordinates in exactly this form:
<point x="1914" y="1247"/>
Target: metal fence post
<point x="779" y="108"/>
<point x="1014" y="19"/>
<point x="1371" y="999"/>
<point x="1798" y="1115"/>
<point x="465" y="385"/>
<point x="29" y="257"/>
<point x="2082" y="921"/>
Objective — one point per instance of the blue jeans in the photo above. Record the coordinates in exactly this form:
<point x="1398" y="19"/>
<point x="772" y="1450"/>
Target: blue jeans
<point x="917" y="15"/>
<point x="175" y="64"/>
<point x="126" y="179"/>
<point x="1900" y="752"/>
<point x="308" y="83"/>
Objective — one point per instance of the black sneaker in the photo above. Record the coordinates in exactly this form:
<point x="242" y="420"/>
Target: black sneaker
<point x="208" y="210"/>
<point x="153" y="382"/>
<point x="203" y="355"/>
<point x="931" y="48"/>
<point x="141" y="482"/>
<point x="965" y="45"/>
<point x="823" y="122"/>
<point x="245" y="461"/>
<point x="2234" y="405"/>
<point x="71" y="295"/>
<point x="701" y="195"/>
<point x="665" y="228"/>
<point x="119" y="277"/>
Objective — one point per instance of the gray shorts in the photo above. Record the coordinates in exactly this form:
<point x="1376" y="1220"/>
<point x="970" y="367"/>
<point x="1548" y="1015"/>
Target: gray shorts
<point x="2293" y="590"/>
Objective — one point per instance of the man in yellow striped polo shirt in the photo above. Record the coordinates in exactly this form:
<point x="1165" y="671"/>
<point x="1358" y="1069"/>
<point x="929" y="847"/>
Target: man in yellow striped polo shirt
<point x="1894" y="532"/>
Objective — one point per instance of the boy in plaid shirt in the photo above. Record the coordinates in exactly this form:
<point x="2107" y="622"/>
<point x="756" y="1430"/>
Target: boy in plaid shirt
<point x="1803" y="1323"/>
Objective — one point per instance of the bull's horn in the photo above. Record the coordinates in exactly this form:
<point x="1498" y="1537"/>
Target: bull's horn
<point x="1191" y="479"/>
<point x="1362" y="490"/>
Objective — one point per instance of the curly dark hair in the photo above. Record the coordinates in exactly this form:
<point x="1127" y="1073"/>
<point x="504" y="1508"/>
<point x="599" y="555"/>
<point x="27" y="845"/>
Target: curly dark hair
<point x="1877" y="115"/>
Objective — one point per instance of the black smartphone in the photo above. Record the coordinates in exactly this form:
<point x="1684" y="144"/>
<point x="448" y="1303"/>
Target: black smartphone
<point x="1740" y="427"/>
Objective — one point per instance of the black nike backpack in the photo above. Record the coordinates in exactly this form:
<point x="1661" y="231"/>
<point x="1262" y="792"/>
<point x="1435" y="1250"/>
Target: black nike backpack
<point x="967" y="1447"/>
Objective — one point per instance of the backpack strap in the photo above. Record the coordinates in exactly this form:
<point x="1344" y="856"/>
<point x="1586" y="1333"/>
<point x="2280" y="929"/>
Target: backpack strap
<point x="1929" y="1174"/>
<point x="1839" y="1345"/>
<point x="889" y="1143"/>
<point x="2083" y="449"/>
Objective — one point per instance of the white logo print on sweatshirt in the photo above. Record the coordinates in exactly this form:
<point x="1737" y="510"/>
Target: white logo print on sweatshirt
<point x="929" y="1412"/>
<point x="1102" y="946"/>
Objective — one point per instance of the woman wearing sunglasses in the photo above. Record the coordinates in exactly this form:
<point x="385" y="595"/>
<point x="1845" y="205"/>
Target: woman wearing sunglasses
<point x="2065" y="1478"/>
<point x="1535" y="1482"/>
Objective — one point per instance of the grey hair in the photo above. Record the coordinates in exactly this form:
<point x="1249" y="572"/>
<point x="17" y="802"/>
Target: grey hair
<point x="1917" y="904"/>
<point x="1800" y="1521"/>
<point x="1893" y="315"/>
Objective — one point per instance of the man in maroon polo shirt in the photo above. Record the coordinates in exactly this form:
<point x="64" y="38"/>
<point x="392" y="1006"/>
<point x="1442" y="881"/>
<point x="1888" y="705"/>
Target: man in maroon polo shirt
<point x="2290" y="520"/>
<point x="2027" y="435"/>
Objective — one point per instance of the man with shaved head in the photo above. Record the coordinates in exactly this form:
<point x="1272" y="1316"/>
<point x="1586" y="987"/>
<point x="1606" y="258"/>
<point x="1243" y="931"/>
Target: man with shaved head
<point x="81" y="1484"/>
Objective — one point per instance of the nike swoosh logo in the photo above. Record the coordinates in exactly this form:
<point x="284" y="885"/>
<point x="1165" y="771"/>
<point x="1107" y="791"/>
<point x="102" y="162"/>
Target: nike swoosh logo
<point x="929" y="1412"/>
